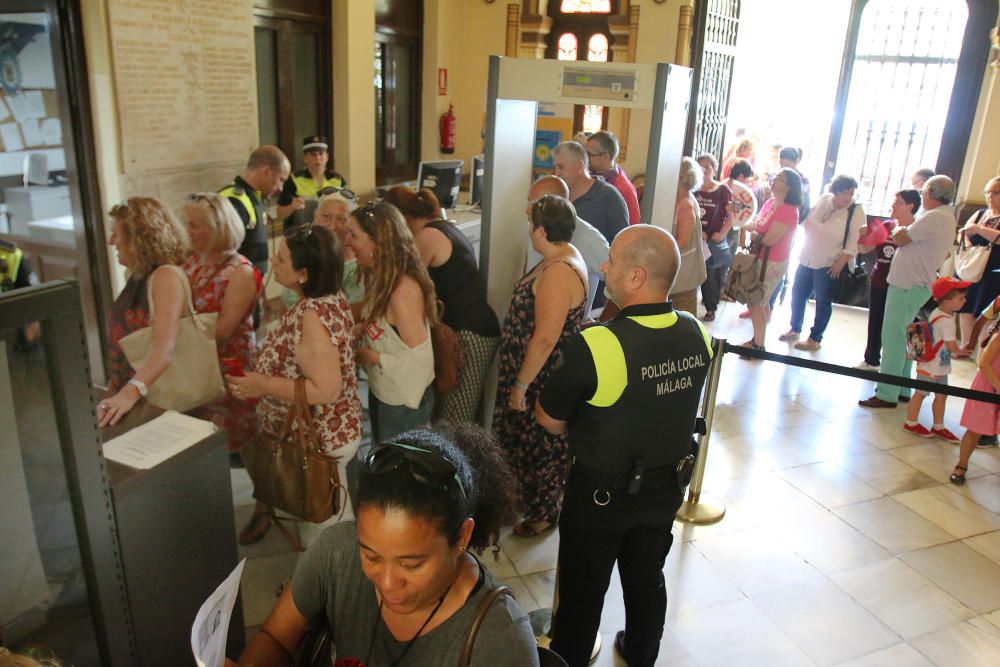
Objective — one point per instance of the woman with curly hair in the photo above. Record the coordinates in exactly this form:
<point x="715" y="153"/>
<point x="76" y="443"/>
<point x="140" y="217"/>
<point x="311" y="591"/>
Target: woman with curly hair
<point x="396" y="317"/>
<point x="401" y="585"/>
<point x="149" y="239"/>
<point x="451" y="263"/>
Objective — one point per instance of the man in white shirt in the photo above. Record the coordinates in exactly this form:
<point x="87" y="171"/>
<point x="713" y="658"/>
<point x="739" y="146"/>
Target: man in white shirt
<point x="831" y="242"/>
<point x="586" y="238"/>
<point x="920" y="249"/>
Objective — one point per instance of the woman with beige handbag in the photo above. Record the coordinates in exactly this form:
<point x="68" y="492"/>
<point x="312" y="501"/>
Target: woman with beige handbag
<point x="148" y="239"/>
<point x="306" y="364"/>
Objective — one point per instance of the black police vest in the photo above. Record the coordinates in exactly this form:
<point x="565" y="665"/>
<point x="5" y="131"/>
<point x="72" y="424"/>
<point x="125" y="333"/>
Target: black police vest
<point x="651" y="370"/>
<point x="254" y="246"/>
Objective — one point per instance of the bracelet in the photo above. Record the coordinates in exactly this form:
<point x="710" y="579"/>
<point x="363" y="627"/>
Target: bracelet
<point x="520" y="385"/>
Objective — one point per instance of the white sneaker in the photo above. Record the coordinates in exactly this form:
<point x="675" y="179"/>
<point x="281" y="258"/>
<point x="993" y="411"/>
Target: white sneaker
<point x="790" y="335"/>
<point x="865" y="366"/>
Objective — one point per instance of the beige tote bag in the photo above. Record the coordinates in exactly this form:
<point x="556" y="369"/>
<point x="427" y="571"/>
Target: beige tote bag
<point x="193" y="378"/>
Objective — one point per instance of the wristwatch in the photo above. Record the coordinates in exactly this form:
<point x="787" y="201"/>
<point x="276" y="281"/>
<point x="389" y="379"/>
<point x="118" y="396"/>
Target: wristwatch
<point x="141" y="386"/>
<point x="520" y="385"/>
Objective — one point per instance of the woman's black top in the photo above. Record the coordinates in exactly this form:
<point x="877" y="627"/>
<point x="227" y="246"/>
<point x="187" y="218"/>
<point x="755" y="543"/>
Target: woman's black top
<point x="460" y="286"/>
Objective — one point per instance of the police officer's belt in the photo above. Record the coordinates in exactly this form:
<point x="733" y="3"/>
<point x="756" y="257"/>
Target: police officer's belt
<point x="663" y="477"/>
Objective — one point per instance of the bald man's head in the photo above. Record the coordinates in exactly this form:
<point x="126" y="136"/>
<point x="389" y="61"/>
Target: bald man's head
<point x="642" y="265"/>
<point x="546" y="185"/>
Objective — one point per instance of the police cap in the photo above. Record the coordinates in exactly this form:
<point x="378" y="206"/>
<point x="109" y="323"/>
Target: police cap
<point x="314" y="142"/>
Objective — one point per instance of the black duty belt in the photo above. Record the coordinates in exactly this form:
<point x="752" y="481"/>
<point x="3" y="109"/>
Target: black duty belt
<point x="660" y="477"/>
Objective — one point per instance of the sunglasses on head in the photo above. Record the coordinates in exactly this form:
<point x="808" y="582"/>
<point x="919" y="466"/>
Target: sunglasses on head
<point x="425" y="466"/>
<point x="346" y="193"/>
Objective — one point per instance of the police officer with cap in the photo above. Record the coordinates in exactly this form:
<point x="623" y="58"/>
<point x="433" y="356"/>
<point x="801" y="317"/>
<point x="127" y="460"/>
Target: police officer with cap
<point x="264" y="176"/>
<point x="306" y="184"/>
<point x="628" y="392"/>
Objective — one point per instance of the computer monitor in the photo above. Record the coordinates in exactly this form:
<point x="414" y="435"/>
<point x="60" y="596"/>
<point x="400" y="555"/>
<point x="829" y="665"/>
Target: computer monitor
<point x="476" y="180"/>
<point x="443" y="178"/>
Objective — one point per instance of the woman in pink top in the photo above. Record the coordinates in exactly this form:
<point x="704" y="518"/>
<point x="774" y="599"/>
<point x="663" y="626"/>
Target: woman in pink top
<point x="771" y="235"/>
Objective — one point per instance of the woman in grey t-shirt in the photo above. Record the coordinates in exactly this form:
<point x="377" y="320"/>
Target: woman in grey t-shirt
<point x="400" y="586"/>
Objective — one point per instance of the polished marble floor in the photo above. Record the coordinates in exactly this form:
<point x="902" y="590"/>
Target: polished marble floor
<point x="843" y="542"/>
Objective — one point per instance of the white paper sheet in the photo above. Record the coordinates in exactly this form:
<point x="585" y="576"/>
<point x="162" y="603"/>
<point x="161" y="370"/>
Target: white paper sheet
<point x="19" y="106"/>
<point x="52" y="132"/>
<point x="32" y="132"/>
<point x="211" y="625"/>
<point x="157" y="440"/>
<point x="4" y="111"/>
<point x="11" y="137"/>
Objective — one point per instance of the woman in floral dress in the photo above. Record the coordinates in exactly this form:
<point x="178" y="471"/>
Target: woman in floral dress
<point x="224" y="282"/>
<point x="313" y="340"/>
<point x="545" y="310"/>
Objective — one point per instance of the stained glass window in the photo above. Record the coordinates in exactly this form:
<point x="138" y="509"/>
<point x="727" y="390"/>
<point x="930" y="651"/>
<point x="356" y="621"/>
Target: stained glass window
<point x="597" y="48"/>
<point x="593" y="117"/>
<point x="567" y="46"/>
<point x="585" y="7"/>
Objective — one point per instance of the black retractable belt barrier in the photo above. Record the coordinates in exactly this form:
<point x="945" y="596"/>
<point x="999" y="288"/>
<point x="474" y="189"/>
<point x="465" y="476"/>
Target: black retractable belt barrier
<point x="932" y="387"/>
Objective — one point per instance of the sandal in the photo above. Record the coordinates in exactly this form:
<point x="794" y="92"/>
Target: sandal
<point x="256" y="527"/>
<point x="956" y="478"/>
<point x="753" y="346"/>
<point x="709" y="316"/>
<point x="532" y="528"/>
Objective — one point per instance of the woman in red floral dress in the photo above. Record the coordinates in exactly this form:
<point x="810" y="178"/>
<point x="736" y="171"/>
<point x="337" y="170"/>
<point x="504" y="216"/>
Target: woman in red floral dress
<point x="224" y="282"/>
<point x="312" y="340"/>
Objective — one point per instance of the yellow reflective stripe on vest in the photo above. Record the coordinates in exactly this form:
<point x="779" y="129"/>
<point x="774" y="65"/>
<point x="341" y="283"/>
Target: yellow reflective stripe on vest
<point x="706" y="336"/>
<point x="13" y="258"/>
<point x="305" y="186"/>
<point x="609" y="360"/>
<point x="661" y="321"/>
<point x="244" y="198"/>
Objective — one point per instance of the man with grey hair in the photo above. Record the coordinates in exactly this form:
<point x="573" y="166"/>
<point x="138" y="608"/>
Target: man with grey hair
<point x="602" y="152"/>
<point x="597" y="202"/>
<point x="264" y="176"/>
<point x="628" y="394"/>
<point x="586" y="238"/>
<point x="920" y="249"/>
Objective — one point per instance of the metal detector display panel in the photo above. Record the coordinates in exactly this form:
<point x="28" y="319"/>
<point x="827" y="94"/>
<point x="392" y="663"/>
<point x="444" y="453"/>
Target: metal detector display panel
<point x="599" y="84"/>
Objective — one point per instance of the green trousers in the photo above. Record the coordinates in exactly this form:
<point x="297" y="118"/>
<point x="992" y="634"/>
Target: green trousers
<point x="901" y="305"/>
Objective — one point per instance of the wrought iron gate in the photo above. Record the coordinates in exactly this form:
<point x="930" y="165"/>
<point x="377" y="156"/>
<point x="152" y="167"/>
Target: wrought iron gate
<point x="899" y="68"/>
<point x="716" y="23"/>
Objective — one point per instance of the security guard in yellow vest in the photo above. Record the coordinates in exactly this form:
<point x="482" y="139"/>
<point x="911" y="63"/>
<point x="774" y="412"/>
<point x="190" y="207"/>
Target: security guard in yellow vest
<point x="15" y="271"/>
<point x="264" y="176"/>
<point x="307" y="183"/>
<point x="628" y="393"/>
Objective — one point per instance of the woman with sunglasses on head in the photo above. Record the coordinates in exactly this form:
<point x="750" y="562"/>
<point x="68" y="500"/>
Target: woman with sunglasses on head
<point x="224" y="282"/>
<point x="148" y="239"/>
<point x="395" y="325"/>
<point x="400" y="586"/>
<point x="451" y="262"/>
<point x="545" y="310"/>
<point x="313" y="340"/>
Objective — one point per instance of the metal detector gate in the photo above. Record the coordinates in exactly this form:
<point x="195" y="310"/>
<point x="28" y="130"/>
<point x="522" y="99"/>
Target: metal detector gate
<point x="659" y="93"/>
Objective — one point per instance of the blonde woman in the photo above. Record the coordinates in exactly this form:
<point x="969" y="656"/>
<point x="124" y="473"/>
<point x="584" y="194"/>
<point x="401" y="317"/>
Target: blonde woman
<point x="224" y="282"/>
<point x="687" y="232"/>
<point x="147" y="238"/>
<point x="399" y="308"/>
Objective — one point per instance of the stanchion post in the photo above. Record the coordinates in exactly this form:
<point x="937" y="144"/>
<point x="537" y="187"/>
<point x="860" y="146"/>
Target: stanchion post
<point x="696" y="509"/>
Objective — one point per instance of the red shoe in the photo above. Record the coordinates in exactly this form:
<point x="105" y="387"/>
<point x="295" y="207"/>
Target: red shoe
<point x="918" y="429"/>
<point x="745" y="314"/>
<point x="945" y="435"/>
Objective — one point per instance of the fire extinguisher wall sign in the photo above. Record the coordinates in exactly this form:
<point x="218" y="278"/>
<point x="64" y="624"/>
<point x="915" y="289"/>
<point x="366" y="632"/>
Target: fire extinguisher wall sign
<point x="447" y="128"/>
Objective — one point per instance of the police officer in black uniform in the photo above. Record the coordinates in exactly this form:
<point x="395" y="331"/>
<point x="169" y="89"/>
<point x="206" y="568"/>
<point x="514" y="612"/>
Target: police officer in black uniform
<point x="264" y="176"/>
<point x="307" y="183"/>
<point x="628" y="392"/>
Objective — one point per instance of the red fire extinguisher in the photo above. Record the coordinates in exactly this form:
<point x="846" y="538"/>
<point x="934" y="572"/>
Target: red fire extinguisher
<point x="447" y="128"/>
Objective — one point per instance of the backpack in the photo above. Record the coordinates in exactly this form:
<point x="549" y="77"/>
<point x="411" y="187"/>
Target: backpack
<point x="920" y="343"/>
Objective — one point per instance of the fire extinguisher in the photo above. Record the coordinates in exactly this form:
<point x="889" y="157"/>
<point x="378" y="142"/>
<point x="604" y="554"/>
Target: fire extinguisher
<point x="447" y="128"/>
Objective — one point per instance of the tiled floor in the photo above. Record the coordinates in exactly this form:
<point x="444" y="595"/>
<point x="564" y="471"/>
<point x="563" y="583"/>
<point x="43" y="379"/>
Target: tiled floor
<point x="842" y="544"/>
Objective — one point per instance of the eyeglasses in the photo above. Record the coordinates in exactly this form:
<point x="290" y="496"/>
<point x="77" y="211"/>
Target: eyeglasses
<point x="300" y="232"/>
<point x="350" y="195"/>
<point x="365" y="215"/>
<point x="430" y="468"/>
<point x="598" y="154"/>
<point x="991" y="192"/>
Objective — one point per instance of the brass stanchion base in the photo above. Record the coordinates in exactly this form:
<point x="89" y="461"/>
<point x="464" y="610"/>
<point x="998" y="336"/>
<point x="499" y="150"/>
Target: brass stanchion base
<point x="704" y="512"/>
<point x="541" y="625"/>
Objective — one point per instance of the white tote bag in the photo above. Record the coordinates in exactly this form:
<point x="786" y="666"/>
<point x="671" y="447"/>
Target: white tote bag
<point x="193" y="377"/>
